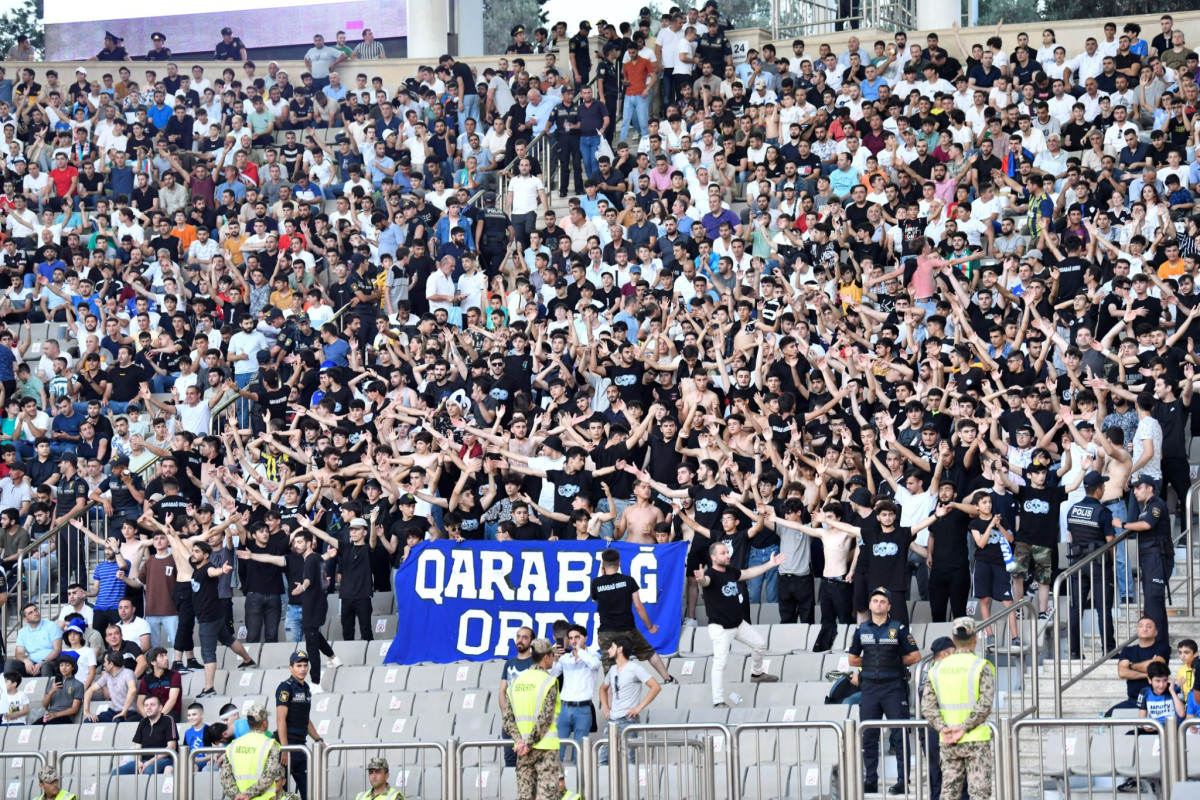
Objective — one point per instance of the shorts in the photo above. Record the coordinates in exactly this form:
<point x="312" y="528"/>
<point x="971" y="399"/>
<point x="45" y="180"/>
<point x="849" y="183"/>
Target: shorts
<point x="212" y="634"/>
<point x="1023" y="552"/>
<point x="992" y="580"/>
<point x="697" y="557"/>
<point x="641" y="648"/>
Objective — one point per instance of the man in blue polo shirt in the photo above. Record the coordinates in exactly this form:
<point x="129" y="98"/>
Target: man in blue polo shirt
<point x="38" y="644"/>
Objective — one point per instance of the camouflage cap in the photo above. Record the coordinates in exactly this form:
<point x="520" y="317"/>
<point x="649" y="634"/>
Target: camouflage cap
<point x="49" y="775"/>
<point x="962" y="628"/>
<point x="378" y="763"/>
<point x="256" y="713"/>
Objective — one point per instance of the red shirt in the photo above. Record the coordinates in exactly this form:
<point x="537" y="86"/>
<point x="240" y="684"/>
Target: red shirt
<point x="637" y="75"/>
<point x="63" y="178"/>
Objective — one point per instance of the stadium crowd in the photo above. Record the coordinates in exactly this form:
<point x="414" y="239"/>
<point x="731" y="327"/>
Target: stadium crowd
<point x="839" y="319"/>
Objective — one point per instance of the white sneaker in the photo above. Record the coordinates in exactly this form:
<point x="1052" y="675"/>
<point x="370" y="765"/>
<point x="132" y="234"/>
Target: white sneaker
<point x="333" y="663"/>
<point x="689" y="623"/>
<point x="315" y="688"/>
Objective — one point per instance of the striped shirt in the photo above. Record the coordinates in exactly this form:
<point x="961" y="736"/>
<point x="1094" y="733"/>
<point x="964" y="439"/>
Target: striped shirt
<point x="370" y="50"/>
<point x="112" y="589"/>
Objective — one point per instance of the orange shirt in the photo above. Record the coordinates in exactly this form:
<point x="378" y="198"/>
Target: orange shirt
<point x="1170" y="269"/>
<point x="637" y="75"/>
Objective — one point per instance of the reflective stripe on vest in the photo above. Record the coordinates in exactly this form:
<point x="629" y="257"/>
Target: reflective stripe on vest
<point x="955" y="681"/>
<point x="248" y="757"/>
<point x="525" y="697"/>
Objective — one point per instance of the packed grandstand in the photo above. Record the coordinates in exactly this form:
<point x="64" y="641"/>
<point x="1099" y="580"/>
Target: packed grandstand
<point x="339" y="393"/>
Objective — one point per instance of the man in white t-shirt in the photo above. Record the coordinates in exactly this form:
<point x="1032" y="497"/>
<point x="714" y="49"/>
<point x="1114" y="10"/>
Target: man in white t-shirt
<point x="133" y="628"/>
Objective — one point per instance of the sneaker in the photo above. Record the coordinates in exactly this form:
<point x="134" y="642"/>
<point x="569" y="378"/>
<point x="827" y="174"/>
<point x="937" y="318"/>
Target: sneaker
<point x="989" y="642"/>
<point x="720" y="705"/>
<point x="248" y="664"/>
<point x="897" y="788"/>
<point x="1130" y="786"/>
<point x="333" y="663"/>
<point x="1126" y="601"/>
<point x="194" y="664"/>
<point x="315" y="688"/>
<point x="178" y="666"/>
<point x="764" y="677"/>
<point x="207" y="693"/>
<point x="1015" y="643"/>
<point x="689" y="623"/>
<point x="1043" y="616"/>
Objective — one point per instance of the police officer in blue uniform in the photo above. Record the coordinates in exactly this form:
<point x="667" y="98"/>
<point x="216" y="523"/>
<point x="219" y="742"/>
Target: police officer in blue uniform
<point x="293" y="706"/>
<point x="1090" y="525"/>
<point x="883" y="649"/>
<point x="1156" y="553"/>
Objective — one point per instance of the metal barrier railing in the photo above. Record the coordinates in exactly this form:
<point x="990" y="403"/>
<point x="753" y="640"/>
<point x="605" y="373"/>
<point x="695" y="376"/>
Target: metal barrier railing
<point x="15" y="774"/>
<point x="802" y="766"/>
<point x="89" y="782"/>
<point x="1189" y="756"/>
<point x="48" y="608"/>
<point x="189" y="757"/>
<point x="404" y="773"/>
<point x="476" y="780"/>
<point x="668" y="756"/>
<point x="1093" y="651"/>
<point x="1081" y="756"/>
<point x="791" y="18"/>
<point x="917" y="770"/>
<point x="1188" y="536"/>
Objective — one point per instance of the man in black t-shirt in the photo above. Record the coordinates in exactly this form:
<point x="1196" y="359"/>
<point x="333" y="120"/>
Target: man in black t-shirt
<point x="210" y="614"/>
<point x="726" y="622"/>
<point x="617" y="599"/>
<point x="1135" y="657"/>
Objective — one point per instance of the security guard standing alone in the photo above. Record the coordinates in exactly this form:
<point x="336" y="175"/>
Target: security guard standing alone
<point x="883" y="649"/>
<point x="519" y="46"/>
<point x="252" y="767"/>
<point x="1153" y="530"/>
<point x="51" y="783"/>
<point x="564" y="119"/>
<point x="494" y="232"/>
<point x="579" y="52"/>
<point x="1090" y="525"/>
<point x="293" y="705"/>
<point x="609" y="85"/>
<point x="378" y="773"/>
<point x="956" y="704"/>
<point x="713" y="48"/>
<point x="531" y="719"/>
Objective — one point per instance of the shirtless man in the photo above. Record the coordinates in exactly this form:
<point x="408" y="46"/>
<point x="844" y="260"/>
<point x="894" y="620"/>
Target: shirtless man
<point x="836" y="598"/>
<point x="1118" y="464"/>
<point x="636" y="523"/>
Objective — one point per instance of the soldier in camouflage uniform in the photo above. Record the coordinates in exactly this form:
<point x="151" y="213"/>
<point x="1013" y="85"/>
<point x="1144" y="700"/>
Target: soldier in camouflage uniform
<point x="956" y="704"/>
<point x="539" y="768"/>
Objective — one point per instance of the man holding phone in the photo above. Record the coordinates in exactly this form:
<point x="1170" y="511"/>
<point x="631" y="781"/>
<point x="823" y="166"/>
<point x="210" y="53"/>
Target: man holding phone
<point x="579" y="668"/>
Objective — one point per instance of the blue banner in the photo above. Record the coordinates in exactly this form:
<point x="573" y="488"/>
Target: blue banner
<point x="466" y="601"/>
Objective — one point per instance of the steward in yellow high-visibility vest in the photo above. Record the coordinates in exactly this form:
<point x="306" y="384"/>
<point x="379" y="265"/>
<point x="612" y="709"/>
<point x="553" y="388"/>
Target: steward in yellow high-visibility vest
<point x="51" y="784"/>
<point x="252" y="768"/>
<point x="956" y="704"/>
<point x="531" y="719"/>
<point x="378" y="773"/>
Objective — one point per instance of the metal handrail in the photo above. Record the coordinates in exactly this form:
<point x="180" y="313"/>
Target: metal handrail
<point x="1188" y="536"/>
<point x="1169" y="758"/>
<point x="619" y="744"/>
<point x="33" y="547"/>
<point x="845" y="785"/>
<point x="454" y="750"/>
<point x="322" y="753"/>
<point x="1060" y="619"/>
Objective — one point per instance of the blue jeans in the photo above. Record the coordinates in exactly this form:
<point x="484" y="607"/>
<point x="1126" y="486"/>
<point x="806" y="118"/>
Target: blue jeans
<point x="606" y="528"/>
<point x="587" y="151"/>
<point x="574" y="722"/>
<point x="1124" y="574"/>
<point x="131" y="767"/>
<point x="244" y="379"/>
<point x="291" y="625"/>
<point x="38" y="571"/>
<point x="766" y="585"/>
<point x="116" y="407"/>
<point x="636" y="105"/>
<point x="161" y="384"/>
<point x="469" y="107"/>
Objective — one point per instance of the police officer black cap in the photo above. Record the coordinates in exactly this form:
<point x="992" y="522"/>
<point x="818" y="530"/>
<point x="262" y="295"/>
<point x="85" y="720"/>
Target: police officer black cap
<point x="489" y="197"/>
<point x="1094" y="479"/>
<point x="881" y="591"/>
<point x="712" y="21"/>
<point x="516" y="29"/>
<point x="158" y="36"/>
<point x="1141" y="481"/>
<point x="585" y="26"/>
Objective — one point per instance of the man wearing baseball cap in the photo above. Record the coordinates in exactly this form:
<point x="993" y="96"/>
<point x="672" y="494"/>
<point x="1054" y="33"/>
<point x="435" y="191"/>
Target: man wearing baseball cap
<point x="51" y="783"/>
<point x="956" y="704"/>
<point x="378" y="772"/>
<point x="252" y="762"/>
<point x="884" y="650"/>
<point x="531" y="719"/>
<point x="1089" y="526"/>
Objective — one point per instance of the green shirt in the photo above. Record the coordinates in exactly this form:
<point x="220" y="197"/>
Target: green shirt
<point x="259" y="122"/>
